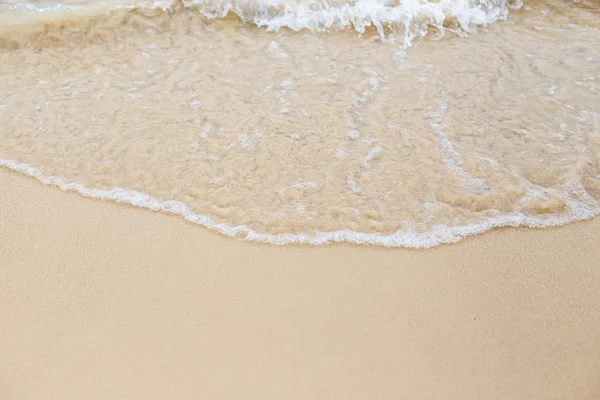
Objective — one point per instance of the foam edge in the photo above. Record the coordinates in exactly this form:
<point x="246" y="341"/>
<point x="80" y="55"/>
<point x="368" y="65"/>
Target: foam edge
<point x="440" y="234"/>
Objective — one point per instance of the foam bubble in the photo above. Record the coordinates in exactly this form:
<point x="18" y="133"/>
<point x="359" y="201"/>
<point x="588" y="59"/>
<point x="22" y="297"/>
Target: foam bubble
<point x="452" y="158"/>
<point x="414" y="17"/>
<point x="316" y="15"/>
<point x="580" y="206"/>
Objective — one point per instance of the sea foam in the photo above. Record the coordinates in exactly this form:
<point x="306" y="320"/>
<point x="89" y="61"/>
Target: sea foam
<point x="579" y="207"/>
<point x="411" y="17"/>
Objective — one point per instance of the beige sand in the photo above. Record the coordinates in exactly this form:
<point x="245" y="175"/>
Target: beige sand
<point x="103" y="301"/>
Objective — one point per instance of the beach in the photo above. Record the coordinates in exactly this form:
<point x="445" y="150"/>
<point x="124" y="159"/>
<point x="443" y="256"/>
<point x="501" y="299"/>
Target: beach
<point x="299" y="199"/>
<point x="375" y="122"/>
<point x="105" y="301"/>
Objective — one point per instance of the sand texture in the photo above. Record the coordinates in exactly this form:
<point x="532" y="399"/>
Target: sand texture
<point x="104" y="301"/>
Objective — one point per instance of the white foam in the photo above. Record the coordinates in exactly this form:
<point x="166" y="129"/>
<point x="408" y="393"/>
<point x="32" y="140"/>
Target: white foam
<point x="149" y="47"/>
<point x="412" y="16"/>
<point x="317" y="15"/>
<point x="243" y="139"/>
<point x="353" y="134"/>
<point x="450" y="156"/>
<point x="298" y="185"/>
<point x="579" y="206"/>
<point x="371" y="155"/>
<point x="352" y="185"/>
<point x="205" y="129"/>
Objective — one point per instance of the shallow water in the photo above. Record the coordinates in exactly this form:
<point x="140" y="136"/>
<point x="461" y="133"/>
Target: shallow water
<point x="366" y="123"/>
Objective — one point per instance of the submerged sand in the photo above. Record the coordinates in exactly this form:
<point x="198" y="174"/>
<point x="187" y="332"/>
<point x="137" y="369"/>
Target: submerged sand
<point x="312" y="137"/>
<point x="104" y="301"/>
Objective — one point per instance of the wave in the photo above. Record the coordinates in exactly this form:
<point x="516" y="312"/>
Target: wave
<point x="412" y="18"/>
<point x="415" y="16"/>
<point x="582" y="208"/>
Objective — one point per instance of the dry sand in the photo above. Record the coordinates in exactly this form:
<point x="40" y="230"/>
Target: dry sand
<point x="103" y="301"/>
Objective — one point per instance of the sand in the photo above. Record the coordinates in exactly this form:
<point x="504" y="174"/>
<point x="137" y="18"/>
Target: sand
<point x="104" y="301"/>
<point x="287" y="133"/>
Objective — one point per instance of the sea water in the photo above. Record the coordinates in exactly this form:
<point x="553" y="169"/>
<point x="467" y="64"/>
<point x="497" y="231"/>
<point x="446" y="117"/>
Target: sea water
<point x="397" y="123"/>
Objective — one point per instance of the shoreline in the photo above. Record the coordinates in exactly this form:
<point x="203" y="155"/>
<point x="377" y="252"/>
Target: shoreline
<point x="101" y="300"/>
<point x="441" y="235"/>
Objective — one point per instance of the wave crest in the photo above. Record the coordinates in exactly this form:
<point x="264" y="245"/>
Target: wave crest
<point x="406" y="18"/>
<point x="412" y="17"/>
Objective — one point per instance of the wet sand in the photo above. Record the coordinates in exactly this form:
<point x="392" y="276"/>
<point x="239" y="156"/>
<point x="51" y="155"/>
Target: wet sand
<point x="104" y="301"/>
<point x="287" y="137"/>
